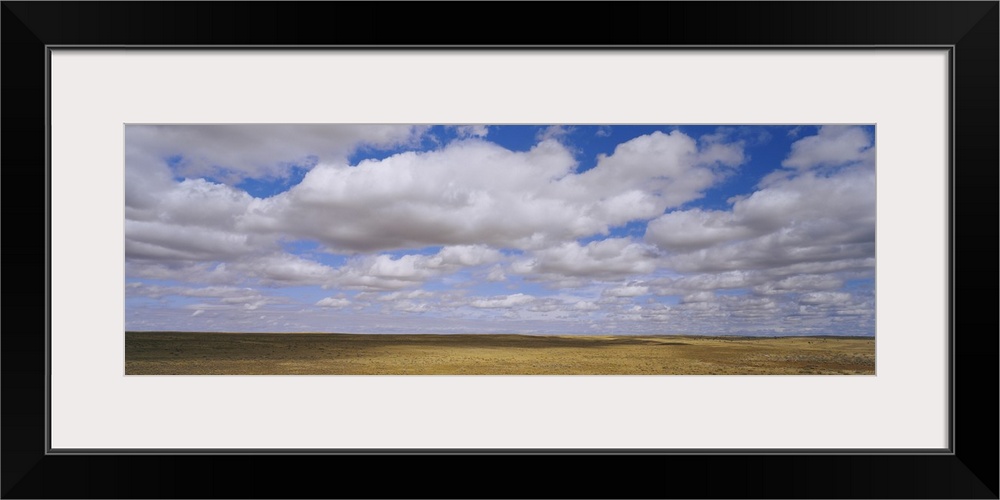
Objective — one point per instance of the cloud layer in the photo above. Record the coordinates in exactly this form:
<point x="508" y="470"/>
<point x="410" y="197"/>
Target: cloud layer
<point x="562" y="229"/>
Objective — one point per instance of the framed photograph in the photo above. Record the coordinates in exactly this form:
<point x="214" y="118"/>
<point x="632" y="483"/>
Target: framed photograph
<point x="701" y="253"/>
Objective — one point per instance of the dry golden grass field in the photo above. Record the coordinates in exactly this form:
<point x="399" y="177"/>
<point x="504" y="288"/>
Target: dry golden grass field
<point x="192" y="353"/>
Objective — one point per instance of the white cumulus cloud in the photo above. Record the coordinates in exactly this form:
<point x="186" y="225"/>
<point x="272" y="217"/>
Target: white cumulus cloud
<point x="503" y="301"/>
<point x="237" y="151"/>
<point x="333" y="302"/>
<point x="476" y="192"/>
<point x="834" y="145"/>
<point x="606" y="259"/>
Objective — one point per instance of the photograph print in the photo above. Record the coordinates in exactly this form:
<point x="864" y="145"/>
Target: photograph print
<point x="518" y="249"/>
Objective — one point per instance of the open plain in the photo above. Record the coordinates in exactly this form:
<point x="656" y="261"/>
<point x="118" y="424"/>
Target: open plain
<point x="195" y="353"/>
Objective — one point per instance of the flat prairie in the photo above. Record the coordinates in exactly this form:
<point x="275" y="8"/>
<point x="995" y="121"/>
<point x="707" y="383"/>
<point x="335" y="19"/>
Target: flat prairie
<point x="195" y="353"/>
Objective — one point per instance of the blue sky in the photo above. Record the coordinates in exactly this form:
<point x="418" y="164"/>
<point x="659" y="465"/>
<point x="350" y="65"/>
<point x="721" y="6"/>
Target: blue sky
<point x="561" y="229"/>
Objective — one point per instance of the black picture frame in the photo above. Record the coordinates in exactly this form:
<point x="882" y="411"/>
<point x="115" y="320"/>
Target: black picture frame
<point x="968" y="470"/>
